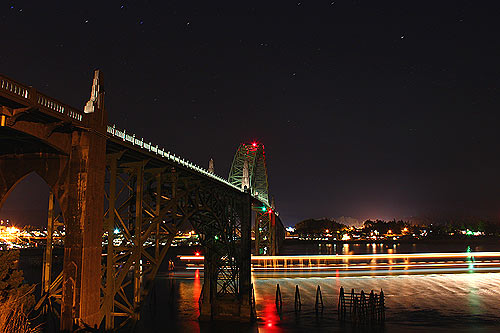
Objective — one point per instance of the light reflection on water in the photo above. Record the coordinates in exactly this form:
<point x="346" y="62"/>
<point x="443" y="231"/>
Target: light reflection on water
<point x="438" y="302"/>
<point x="384" y="248"/>
<point x="462" y="302"/>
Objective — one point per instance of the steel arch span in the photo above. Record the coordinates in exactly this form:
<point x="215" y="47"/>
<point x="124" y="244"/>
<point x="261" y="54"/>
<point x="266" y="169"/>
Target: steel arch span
<point x="249" y="171"/>
<point x="251" y="156"/>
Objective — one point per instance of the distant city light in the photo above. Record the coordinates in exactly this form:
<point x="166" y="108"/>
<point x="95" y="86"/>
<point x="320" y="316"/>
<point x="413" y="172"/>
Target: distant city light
<point x="12" y="230"/>
<point x="472" y="233"/>
<point x="116" y="231"/>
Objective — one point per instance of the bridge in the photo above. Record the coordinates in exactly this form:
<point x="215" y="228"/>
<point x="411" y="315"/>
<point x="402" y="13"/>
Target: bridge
<point x="122" y="200"/>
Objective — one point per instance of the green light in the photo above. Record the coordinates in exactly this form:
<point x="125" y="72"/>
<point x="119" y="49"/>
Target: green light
<point x="470" y="259"/>
<point x="264" y="208"/>
<point x="216" y="237"/>
<point x="469" y="233"/>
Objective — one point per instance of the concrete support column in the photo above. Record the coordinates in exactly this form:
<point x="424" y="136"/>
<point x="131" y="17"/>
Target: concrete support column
<point x="209" y="292"/>
<point x="83" y="212"/>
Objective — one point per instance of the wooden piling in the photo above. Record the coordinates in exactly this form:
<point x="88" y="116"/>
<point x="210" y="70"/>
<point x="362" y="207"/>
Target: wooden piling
<point x="319" y="299"/>
<point x="341" y="307"/>
<point x="382" y="306"/>
<point x="351" y="305"/>
<point x="298" y="303"/>
<point x="372" y="307"/>
<point x="361" y="308"/>
<point x="279" y="301"/>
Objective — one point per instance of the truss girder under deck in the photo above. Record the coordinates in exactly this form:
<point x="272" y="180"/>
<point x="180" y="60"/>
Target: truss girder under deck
<point x="146" y="207"/>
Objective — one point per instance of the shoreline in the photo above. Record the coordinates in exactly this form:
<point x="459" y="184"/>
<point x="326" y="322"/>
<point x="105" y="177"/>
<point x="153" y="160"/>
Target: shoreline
<point x="476" y="240"/>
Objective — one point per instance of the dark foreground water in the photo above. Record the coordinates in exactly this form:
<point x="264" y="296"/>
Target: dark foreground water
<point x="466" y="302"/>
<point x="464" y="299"/>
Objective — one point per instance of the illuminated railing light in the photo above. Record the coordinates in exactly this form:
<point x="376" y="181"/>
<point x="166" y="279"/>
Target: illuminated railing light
<point x="166" y="154"/>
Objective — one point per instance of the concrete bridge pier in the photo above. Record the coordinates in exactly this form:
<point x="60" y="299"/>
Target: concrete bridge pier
<point x="83" y="214"/>
<point x="83" y="221"/>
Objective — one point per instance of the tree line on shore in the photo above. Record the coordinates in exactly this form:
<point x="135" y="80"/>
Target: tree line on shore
<point x="441" y="228"/>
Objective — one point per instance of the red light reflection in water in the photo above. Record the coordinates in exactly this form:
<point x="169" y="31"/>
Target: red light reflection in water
<point x="196" y="286"/>
<point x="269" y="314"/>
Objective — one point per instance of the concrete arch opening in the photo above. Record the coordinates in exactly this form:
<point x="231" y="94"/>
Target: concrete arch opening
<point x="31" y="221"/>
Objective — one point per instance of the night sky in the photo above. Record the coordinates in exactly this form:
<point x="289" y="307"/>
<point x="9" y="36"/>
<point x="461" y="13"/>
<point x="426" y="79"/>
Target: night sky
<point x="369" y="109"/>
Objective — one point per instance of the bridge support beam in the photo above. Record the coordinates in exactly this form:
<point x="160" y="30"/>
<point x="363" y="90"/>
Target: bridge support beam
<point x="269" y="233"/>
<point x="274" y="243"/>
<point x="265" y="233"/>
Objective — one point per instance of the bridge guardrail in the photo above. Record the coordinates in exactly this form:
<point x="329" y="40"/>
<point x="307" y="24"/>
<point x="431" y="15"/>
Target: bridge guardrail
<point x="14" y="88"/>
<point x="32" y="96"/>
<point x="132" y="139"/>
<point x="56" y="106"/>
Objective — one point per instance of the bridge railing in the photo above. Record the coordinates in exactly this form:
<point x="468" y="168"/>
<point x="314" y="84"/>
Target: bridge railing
<point x="54" y="105"/>
<point x="148" y="146"/>
<point x="14" y="88"/>
<point x="32" y="96"/>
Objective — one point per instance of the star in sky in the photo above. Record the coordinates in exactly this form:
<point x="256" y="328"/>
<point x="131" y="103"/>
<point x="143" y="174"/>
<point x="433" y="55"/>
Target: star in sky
<point x="344" y="68"/>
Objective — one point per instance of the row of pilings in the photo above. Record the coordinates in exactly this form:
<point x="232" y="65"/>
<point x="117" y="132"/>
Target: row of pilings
<point x="354" y="307"/>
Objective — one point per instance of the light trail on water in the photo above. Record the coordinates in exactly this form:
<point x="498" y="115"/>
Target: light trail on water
<point x="367" y="256"/>
<point x="371" y="264"/>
